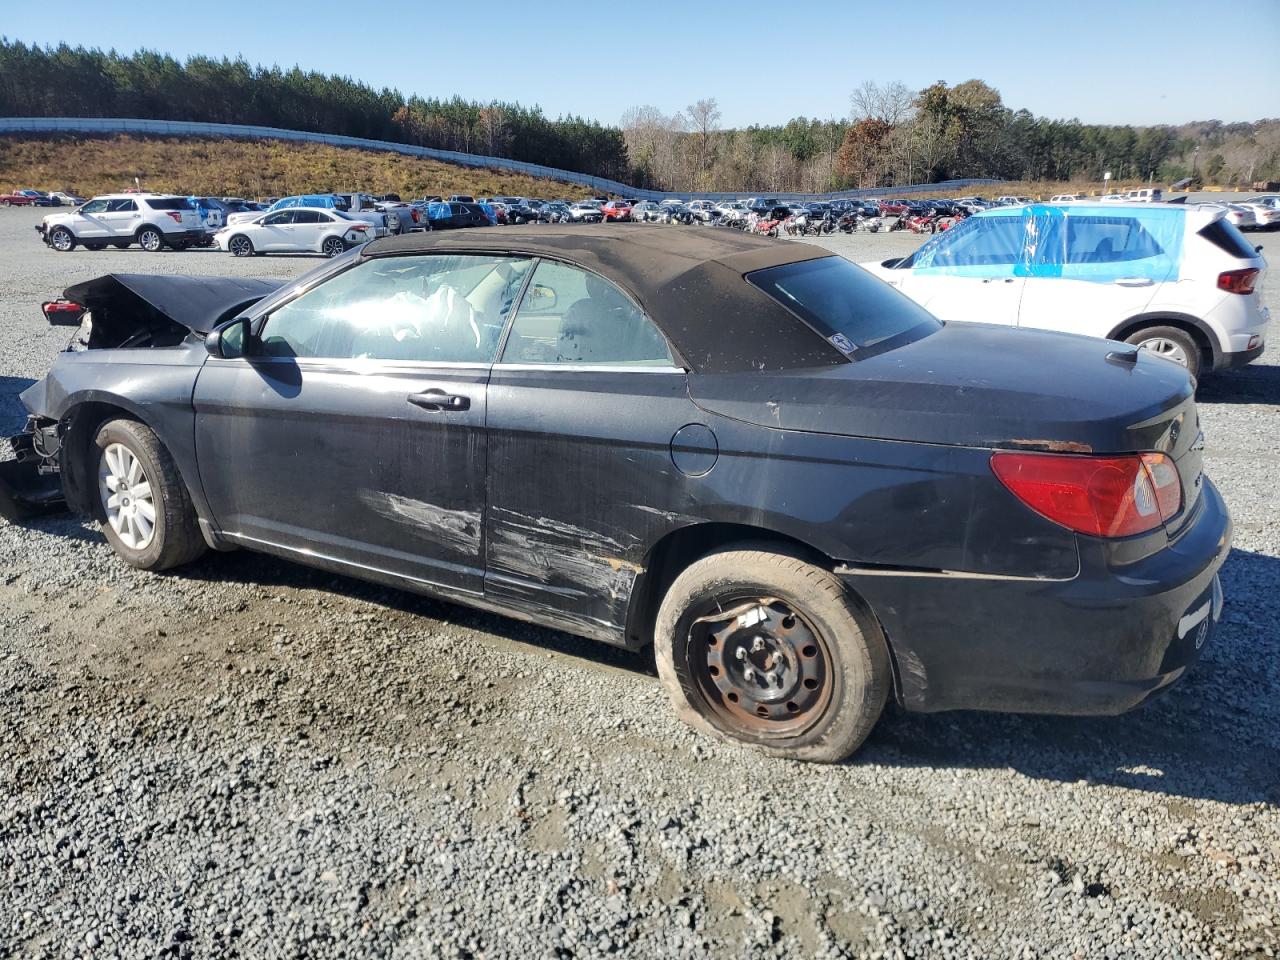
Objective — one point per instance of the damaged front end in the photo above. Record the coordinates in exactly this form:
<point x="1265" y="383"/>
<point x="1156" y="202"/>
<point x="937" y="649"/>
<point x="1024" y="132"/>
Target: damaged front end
<point x="31" y="484"/>
<point x="116" y="320"/>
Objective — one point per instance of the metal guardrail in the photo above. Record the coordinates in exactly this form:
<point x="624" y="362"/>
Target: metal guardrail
<point x="186" y="128"/>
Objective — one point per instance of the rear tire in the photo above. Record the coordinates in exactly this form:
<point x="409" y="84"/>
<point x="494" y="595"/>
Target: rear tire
<point x="151" y="239"/>
<point x="808" y="681"/>
<point x="1170" y="343"/>
<point x="332" y="246"/>
<point x="143" y="504"/>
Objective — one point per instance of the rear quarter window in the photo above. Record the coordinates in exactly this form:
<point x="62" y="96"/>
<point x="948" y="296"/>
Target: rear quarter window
<point x="854" y="311"/>
<point x="1224" y="235"/>
<point x="170" y="203"/>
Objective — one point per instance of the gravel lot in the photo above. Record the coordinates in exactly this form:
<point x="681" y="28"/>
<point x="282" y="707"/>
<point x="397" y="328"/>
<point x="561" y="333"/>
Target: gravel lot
<point x="248" y="758"/>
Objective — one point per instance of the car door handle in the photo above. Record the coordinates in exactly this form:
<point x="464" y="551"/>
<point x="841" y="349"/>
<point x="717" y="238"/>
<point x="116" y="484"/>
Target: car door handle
<point x="440" y="401"/>
<point x="1134" y="281"/>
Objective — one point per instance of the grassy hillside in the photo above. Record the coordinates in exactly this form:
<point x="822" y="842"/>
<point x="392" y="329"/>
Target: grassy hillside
<point x="248" y="168"/>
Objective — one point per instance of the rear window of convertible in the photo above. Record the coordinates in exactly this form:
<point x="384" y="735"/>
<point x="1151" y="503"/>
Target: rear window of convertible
<point x="857" y="313"/>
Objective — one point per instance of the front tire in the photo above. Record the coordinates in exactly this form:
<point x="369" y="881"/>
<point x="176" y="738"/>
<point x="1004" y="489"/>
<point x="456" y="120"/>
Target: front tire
<point x="150" y="239"/>
<point x="240" y="246"/>
<point x="759" y="646"/>
<point x="62" y="240"/>
<point x="143" y="504"/>
<point x="1170" y="343"/>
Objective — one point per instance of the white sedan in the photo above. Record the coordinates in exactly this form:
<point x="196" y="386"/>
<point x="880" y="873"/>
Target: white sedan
<point x="1265" y="215"/>
<point x="296" y="230"/>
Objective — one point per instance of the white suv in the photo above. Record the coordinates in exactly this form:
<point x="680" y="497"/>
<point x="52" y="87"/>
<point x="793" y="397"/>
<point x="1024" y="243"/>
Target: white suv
<point x="152" y="220"/>
<point x="1176" y="279"/>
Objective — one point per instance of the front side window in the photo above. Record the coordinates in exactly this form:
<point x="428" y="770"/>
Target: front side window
<point x="855" y="312"/>
<point x="978" y="247"/>
<point x="572" y="316"/>
<point x="94" y="206"/>
<point x="121" y="206"/>
<point x="278" y="219"/>
<point x="448" y="309"/>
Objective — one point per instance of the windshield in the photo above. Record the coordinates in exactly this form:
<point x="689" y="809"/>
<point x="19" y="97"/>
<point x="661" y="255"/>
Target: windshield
<point x="857" y="313"/>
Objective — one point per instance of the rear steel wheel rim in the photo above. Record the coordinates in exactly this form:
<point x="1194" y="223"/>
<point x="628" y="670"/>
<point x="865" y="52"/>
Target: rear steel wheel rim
<point x="1166" y="348"/>
<point x="759" y="666"/>
<point x="126" y="496"/>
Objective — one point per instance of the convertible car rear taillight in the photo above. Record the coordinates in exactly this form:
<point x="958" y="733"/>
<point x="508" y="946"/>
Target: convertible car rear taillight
<point x="1100" y="496"/>
<point x="1238" y="281"/>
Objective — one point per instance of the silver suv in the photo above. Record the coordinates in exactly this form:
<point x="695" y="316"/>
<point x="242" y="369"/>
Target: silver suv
<point x="151" y="220"/>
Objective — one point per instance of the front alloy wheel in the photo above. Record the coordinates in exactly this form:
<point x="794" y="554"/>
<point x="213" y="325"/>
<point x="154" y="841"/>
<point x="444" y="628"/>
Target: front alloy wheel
<point x="143" y="503"/>
<point x="62" y="239"/>
<point x="240" y="246"/>
<point x="127" y="498"/>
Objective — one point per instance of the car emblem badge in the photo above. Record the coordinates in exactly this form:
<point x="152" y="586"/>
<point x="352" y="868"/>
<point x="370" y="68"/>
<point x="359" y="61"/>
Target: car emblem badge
<point x="1202" y="633"/>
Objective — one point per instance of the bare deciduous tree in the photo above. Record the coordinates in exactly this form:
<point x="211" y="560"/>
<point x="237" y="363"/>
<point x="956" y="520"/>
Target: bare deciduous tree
<point x="891" y="103"/>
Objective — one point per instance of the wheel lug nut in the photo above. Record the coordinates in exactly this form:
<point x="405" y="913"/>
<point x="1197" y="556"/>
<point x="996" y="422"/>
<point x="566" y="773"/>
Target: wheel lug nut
<point x="757" y="644"/>
<point x="741" y="654"/>
<point x="748" y="674"/>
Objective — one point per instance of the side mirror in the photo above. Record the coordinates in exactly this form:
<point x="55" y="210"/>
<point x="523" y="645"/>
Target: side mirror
<point x="229" y="341"/>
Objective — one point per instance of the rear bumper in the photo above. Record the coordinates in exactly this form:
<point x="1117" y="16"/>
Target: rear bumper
<point x="1097" y="644"/>
<point x="1232" y="360"/>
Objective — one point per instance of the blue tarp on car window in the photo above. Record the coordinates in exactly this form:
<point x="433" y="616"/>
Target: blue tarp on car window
<point x="1071" y="242"/>
<point x="439" y="211"/>
<point x="1099" y="245"/>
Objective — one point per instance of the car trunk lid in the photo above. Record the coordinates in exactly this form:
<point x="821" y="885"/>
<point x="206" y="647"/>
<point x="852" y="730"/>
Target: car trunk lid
<point x="976" y="385"/>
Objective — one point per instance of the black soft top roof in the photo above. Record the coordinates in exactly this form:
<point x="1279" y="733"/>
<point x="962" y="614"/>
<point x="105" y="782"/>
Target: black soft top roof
<point x="689" y="280"/>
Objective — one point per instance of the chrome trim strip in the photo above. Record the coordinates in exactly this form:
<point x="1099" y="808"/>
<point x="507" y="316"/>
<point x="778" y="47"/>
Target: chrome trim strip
<point x="845" y="568"/>
<point x="306" y="552"/>
<point x="585" y="368"/>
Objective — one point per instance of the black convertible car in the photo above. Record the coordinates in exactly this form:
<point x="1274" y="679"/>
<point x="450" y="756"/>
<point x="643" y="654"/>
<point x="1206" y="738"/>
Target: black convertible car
<point x="808" y="493"/>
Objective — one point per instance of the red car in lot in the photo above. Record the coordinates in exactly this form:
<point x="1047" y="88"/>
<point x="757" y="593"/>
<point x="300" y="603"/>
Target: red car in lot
<point x="893" y="207"/>
<point x="616" y="210"/>
<point x="16" y="199"/>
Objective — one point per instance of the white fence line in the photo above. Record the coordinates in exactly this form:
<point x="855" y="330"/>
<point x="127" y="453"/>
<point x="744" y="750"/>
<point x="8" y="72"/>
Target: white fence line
<point x="179" y="128"/>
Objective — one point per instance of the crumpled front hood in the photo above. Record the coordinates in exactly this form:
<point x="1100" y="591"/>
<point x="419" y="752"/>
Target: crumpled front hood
<point x="146" y="300"/>
<point x="967" y="385"/>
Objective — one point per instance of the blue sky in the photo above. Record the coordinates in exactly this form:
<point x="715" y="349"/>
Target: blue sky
<point x="1137" y="62"/>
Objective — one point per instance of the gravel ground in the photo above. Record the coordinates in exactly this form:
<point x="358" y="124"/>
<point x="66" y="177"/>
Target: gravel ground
<point x="249" y="758"/>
